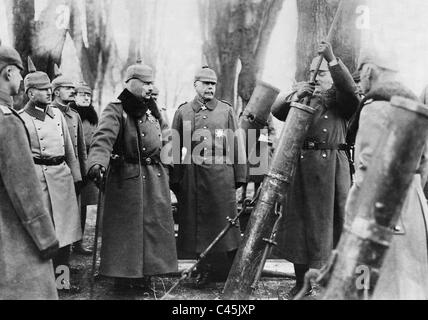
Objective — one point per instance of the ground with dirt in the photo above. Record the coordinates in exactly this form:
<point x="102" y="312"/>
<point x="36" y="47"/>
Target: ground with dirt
<point x="269" y="288"/>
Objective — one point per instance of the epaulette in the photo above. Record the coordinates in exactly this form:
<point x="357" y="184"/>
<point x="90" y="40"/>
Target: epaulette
<point x="21" y="111"/>
<point x="117" y="101"/>
<point x="368" y="101"/>
<point x="5" y="110"/>
<point x="182" y="105"/>
<point x="226" y="102"/>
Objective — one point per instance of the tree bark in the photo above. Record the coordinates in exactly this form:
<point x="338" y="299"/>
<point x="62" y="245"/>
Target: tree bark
<point x="233" y="30"/>
<point x="315" y="18"/>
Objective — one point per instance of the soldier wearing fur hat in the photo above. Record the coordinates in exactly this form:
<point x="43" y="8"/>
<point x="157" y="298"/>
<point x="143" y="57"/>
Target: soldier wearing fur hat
<point x="138" y="229"/>
<point x="315" y="210"/>
<point x="88" y="115"/>
<point x="28" y="239"/>
<point x="56" y="165"/>
<point x="403" y="275"/>
<point x="206" y="181"/>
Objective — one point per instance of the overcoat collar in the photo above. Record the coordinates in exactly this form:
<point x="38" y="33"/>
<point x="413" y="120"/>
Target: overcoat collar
<point x="39" y="113"/>
<point x="65" y="109"/>
<point x="138" y="108"/>
<point x="5" y="99"/>
<point x="198" y="104"/>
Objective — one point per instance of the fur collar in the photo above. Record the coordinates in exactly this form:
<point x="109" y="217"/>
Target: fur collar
<point x="86" y="113"/>
<point x="138" y="108"/>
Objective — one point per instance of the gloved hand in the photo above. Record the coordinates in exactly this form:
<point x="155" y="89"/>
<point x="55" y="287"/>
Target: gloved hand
<point x="326" y="49"/>
<point x="305" y="89"/>
<point x="50" y="252"/>
<point x="96" y="174"/>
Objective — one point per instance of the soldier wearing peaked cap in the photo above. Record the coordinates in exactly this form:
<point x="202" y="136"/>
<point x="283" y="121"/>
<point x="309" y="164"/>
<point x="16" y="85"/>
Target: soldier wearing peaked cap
<point x="315" y="212"/>
<point x="83" y="106"/>
<point x="28" y="239"/>
<point x="138" y="229"/>
<point x="403" y="275"/>
<point x="206" y="181"/>
<point x="56" y="164"/>
<point x="63" y="95"/>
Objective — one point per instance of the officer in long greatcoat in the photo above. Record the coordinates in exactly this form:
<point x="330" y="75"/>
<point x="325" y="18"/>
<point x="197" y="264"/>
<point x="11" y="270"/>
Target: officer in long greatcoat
<point x="207" y="173"/>
<point x="315" y="213"/>
<point x="63" y="90"/>
<point x="403" y="275"/>
<point x="27" y="235"/>
<point x="56" y="164"/>
<point x="138" y="229"/>
<point x="88" y="115"/>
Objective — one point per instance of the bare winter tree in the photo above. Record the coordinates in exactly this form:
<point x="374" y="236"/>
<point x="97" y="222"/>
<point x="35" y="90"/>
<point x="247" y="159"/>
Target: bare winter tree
<point x="91" y="31"/>
<point x="315" y="18"/>
<point x="234" y="30"/>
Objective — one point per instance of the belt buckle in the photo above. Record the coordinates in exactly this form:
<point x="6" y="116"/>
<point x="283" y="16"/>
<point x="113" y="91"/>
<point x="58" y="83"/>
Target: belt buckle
<point x="148" y="161"/>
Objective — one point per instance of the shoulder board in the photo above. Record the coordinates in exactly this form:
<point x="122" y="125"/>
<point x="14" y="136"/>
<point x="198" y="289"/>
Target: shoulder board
<point x="226" y="102"/>
<point x="5" y="110"/>
<point x="182" y="105"/>
<point x="21" y="111"/>
<point x="117" y="101"/>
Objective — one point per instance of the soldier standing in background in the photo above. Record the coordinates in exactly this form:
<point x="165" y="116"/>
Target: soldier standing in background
<point x="207" y="181"/>
<point x="138" y="229"/>
<point x="56" y="164"/>
<point x="28" y="239"/>
<point x="63" y="95"/>
<point x="88" y="115"/>
<point x="403" y="275"/>
<point x="315" y="210"/>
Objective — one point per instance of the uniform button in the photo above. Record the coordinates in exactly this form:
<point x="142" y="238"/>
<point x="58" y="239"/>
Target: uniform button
<point x="159" y="175"/>
<point x="141" y="121"/>
<point x="324" y="130"/>
<point x="205" y="138"/>
<point x="204" y="117"/>
<point x="144" y="177"/>
<point x="143" y="135"/>
<point x="205" y="127"/>
<point x="46" y="169"/>
<point x="324" y="155"/>
<point x="44" y="149"/>
<point x="302" y="157"/>
<point x="325" y="117"/>
<point x="144" y="149"/>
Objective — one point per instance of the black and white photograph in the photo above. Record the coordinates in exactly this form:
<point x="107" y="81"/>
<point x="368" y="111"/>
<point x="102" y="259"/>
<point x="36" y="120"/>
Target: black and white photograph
<point x="214" y="154"/>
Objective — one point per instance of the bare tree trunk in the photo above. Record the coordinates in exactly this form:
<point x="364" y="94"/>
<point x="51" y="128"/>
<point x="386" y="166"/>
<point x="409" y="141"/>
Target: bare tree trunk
<point x="315" y="18"/>
<point x="233" y="30"/>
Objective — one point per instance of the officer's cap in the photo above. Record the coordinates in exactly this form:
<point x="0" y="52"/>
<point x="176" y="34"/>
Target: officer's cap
<point x="323" y="67"/>
<point x="139" y="71"/>
<point x="61" y="80"/>
<point x="82" y="86"/>
<point x="205" y="74"/>
<point x="385" y="60"/>
<point x="9" y="57"/>
<point x="36" y="79"/>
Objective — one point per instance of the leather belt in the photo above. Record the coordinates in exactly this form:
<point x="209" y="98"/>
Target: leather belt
<point x="144" y="161"/>
<point x="314" y="145"/>
<point x="56" y="161"/>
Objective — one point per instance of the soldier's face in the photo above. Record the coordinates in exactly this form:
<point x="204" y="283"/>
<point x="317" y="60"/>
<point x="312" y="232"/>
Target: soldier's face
<point x="140" y="89"/>
<point x="155" y="96"/>
<point x="324" y="81"/>
<point x="40" y="96"/>
<point x="205" y="90"/>
<point x="15" y="78"/>
<point x="65" y="94"/>
<point x="83" y="99"/>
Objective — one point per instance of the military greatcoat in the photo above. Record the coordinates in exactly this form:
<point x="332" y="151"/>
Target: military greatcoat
<point x="25" y="225"/>
<point x="314" y="214"/>
<point x="49" y="139"/>
<point x="208" y="174"/>
<point x="138" y="228"/>
<point x="405" y="268"/>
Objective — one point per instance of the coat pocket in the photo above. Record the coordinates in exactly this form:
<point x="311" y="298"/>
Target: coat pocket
<point x="126" y="171"/>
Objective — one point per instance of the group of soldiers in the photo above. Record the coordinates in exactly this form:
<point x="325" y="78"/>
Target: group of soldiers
<point x="55" y="152"/>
